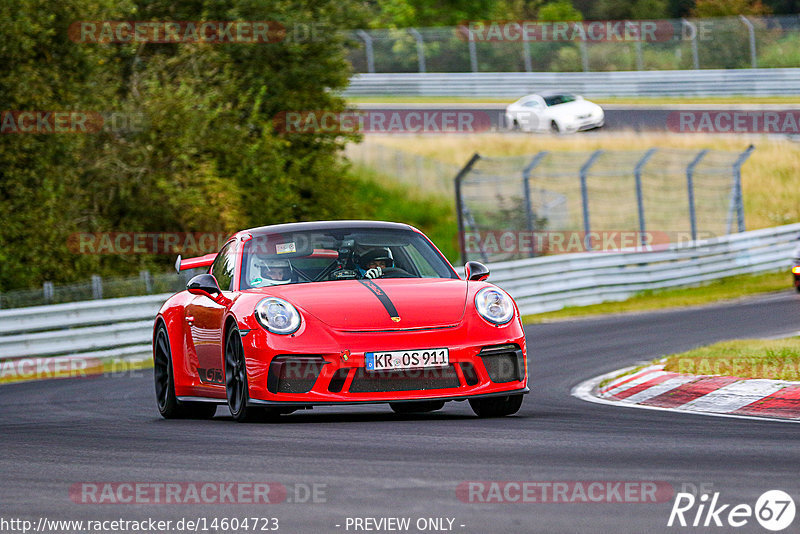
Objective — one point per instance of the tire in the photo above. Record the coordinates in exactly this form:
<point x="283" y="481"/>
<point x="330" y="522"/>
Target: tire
<point x="236" y="388"/>
<point x="554" y="127"/>
<point x="163" y="376"/>
<point x="496" y="406"/>
<point x="514" y="126"/>
<point x="416" y="407"/>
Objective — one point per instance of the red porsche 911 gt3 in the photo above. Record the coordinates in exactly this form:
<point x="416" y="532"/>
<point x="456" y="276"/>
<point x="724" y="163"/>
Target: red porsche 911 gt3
<point x="345" y="312"/>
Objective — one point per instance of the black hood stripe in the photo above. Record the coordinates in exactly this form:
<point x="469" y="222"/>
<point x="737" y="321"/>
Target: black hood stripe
<point x="382" y="296"/>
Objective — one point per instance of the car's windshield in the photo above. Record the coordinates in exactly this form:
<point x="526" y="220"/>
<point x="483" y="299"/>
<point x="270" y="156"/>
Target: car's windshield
<point x="339" y="254"/>
<point x="555" y="100"/>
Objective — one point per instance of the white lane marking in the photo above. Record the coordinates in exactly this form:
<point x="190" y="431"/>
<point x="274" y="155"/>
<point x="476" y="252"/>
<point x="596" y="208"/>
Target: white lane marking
<point x="627" y="385"/>
<point x="658" y="389"/>
<point x="734" y="396"/>
<point x="784" y="336"/>
<point x="584" y="391"/>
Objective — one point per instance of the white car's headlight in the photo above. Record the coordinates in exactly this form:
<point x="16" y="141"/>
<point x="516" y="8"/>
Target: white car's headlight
<point x="494" y="305"/>
<point x="277" y="316"/>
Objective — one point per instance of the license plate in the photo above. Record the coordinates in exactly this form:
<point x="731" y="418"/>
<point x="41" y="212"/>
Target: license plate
<point x="406" y="359"/>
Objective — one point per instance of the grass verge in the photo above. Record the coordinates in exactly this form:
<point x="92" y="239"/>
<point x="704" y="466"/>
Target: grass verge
<point x="377" y="197"/>
<point x="776" y="359"/>
<point x="719" y="290"/>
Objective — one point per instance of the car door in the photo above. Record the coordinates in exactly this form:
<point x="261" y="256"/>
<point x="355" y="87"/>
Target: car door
<point x="205" y="316"/>
<point x="529" y="119"/>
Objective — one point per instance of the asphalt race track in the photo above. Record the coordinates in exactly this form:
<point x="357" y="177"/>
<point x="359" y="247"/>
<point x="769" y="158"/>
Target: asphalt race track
<point x="619" y="117"/>
<point x="373" y="463"/>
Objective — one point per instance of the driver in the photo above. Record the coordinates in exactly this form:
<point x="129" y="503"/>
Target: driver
<point x="372" y="263"/>
<point x="272" y="272"/>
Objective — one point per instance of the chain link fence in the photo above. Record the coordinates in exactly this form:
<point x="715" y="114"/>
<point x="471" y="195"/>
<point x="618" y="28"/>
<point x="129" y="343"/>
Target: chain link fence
<point x="553" y="202"/>
<point x="711" y="43"/>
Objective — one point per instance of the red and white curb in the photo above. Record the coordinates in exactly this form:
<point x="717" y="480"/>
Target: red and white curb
<point x="653" y="388"/>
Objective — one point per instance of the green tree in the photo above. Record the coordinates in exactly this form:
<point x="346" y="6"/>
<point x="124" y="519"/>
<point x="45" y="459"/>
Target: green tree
<point x="727" y="8"/>
<point x="558" y="11"/>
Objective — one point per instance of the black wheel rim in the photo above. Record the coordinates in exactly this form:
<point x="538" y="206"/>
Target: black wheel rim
<point x="161" y="368"/>
<point x="235" y="374"/>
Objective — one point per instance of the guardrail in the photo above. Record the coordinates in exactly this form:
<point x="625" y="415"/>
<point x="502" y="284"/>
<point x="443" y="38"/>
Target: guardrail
<point x="122" y="327"/>
<point x="553" y="282"/>
<point x="718" y="82"/>
<point x="102" y="329"/>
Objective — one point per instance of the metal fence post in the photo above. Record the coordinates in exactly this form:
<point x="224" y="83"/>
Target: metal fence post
<point x="587" y="227"/>
<point x="526" y="55"/>
<point x="637" y="45"/>
<point x="737" y="187"/>
<point x="752" y="31"/>
<point x="473" y="55"/>
<point x="460" y="204"/>
<point x="690" y="191"/>
<point x="695" y="56"/>
<point x="49" y="292"/>
<point x="584" y="55"/>
<point x="526" y="188"/>
<point x="368" y="49"/>
<point x="420" y="48"/>
<point x="637" y="173"/>
<point x="97" y="287"/>
<point x="147" y="280"/>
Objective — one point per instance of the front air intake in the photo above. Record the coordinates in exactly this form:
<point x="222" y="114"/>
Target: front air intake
<point x="503" y="363"/>
<point x="294" y="374"/>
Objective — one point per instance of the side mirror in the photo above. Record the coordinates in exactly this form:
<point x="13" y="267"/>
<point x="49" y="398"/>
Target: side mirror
<point x="476" y="271"/>
<point x="204" y="284"/>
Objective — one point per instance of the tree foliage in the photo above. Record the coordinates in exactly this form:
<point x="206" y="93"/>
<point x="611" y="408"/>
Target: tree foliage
<point x="206" y="158"/>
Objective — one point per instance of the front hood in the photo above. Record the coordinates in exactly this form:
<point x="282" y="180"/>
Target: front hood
<point x="573" y="109"/>
<point x="366" y="304"/>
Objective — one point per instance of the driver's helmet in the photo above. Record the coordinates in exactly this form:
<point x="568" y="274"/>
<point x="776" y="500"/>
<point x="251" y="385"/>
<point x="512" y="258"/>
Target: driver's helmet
<point x="271" y="272"/>
<point x="379" y="256"/>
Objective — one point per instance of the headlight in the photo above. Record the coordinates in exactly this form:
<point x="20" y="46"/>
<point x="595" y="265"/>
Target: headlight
<point x="277" y="316"/>
<point x="494" y="305"/>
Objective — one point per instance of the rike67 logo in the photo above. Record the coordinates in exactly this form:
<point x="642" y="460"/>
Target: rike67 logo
<point x="774" y="510"/>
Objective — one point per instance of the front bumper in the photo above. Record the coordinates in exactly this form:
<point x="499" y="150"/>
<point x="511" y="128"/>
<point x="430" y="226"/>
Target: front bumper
<point x="330" y="368"/>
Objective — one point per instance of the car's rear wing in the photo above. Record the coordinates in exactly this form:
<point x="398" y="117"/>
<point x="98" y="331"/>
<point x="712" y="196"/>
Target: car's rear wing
<point x="193" y="263"/>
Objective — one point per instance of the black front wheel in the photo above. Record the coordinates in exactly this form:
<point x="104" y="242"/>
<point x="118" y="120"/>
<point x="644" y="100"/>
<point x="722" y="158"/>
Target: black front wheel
<point x="496" y="406"/>
<point x="168" y="404"/>
<point x="236" y="387"/>
<point x="416" y="407"/>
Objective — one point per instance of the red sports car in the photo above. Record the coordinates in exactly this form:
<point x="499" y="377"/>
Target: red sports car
<point x="344" y="312"/>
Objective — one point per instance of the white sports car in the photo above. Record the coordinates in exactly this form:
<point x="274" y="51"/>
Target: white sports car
<point x="555" y="112"/>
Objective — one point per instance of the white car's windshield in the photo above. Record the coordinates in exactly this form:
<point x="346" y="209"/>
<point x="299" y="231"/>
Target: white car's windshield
<point x="555" y="100"/>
